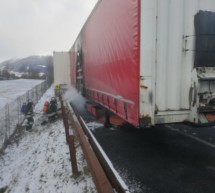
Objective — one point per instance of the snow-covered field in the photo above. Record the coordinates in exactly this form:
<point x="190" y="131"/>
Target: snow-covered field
<point x="39" y="161"/>
<point x="11" y="89"/>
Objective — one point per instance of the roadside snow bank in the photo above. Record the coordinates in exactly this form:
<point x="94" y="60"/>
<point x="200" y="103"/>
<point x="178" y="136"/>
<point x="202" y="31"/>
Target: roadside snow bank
<point x="39" y="161"/>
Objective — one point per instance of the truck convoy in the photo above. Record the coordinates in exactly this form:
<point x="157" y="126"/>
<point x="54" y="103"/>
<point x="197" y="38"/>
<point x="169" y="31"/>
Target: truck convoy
<point x="149" y="61"/>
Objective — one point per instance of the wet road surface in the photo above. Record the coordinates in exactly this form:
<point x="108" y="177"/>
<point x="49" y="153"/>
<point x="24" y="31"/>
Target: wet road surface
<point x="172" y="158"/>
<point x="160" y="159"/>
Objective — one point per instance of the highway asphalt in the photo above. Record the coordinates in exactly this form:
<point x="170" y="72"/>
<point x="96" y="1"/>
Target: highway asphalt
<point x="171" y="158"/>
<point x="162" y="159"/>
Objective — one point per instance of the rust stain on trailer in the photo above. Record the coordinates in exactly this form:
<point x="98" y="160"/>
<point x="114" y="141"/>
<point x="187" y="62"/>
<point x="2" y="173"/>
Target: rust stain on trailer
<point x="145" y="121"/>
<point x="146" y="93"/>
<point x="143" y="86"/>
<point x="156" y="109"/>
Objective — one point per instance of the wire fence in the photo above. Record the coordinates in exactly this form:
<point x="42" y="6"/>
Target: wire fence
<point x="10" y="114"/>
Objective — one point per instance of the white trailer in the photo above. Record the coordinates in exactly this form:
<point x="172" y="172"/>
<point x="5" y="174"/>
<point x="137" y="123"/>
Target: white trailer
<point x="61" y="68"/>
<point x="174" y="86"/>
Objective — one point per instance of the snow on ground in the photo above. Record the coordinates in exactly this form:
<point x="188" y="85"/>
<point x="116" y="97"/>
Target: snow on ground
<point x="11" y="89"/>
<point x="94" y="125"/>
<point x="39" y="161"/>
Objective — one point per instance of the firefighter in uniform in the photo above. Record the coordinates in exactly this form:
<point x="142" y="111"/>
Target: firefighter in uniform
<point x="29" y="115"/>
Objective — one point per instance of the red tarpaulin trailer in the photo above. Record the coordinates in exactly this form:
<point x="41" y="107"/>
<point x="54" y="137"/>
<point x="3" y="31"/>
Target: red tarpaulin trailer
<point x="108" y="46"/>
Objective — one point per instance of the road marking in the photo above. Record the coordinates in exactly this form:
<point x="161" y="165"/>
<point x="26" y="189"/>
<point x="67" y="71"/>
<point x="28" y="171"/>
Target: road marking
<point x="192" y="137"/>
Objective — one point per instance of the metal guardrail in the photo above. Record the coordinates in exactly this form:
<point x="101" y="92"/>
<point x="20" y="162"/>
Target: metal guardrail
<point x="101" y="182"/>
<point x="105" y="177"/>
<point x="100" y="179"/>
<point x="116" y="181"/>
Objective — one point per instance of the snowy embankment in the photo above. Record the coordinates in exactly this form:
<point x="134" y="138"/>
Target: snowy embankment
<point x="39" y="161"/>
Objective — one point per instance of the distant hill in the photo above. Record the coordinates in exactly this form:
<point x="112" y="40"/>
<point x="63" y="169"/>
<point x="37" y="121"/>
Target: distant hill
<point x="36" y="67"/>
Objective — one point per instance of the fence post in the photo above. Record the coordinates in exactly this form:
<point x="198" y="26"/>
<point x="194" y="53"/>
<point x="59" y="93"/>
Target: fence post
<point x="8" y="111"/>
<point x="7" y="122"/>
<point x="18" y="108"/>
<point x="72" y="151"/>
<point x="37" y="93"/>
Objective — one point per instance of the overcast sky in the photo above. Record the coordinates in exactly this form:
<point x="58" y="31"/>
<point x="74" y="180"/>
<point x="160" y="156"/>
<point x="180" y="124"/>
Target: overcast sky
<point x="39" y="27"/>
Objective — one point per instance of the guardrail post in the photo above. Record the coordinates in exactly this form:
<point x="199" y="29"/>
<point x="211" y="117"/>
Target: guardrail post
<point x="69" y="138"/>
<point x="101" y="181"/>
<point x="72" y="151"/>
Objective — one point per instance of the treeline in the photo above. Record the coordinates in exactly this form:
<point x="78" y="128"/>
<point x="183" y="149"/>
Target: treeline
<point x="29" y="71"/>
<point x="7" y="75"/>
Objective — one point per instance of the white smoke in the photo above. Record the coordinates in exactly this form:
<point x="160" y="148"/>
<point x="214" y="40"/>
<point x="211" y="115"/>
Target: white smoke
<point x="75" y="98"/>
